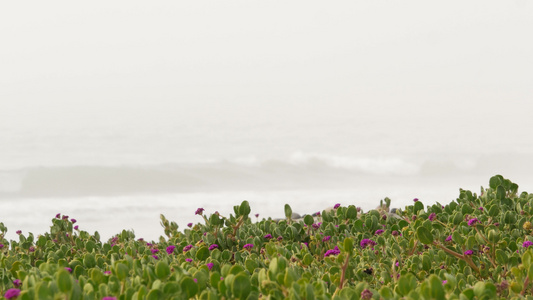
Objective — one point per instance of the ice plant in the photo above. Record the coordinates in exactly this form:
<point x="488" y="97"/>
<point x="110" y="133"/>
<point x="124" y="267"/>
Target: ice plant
<point x="469" y="252"/>
<point x="76" y="227"/>
<point x="334" y="251"/>
<point x="415" y="200"/>
<point x="432" y="216"/>
<point x="214" y="246"/>
<point x="170" y="249"/>
<point x="379" y="231"/>
<point x="109" y="298"/>
<point x="107" y="272"/>
<point x="58" y="216"/>
<point x="12" y="293"/>
<point x="248" y="246"/>
<point x="73" y="221"/>
<point x="472" y="222"/>
<point x="17" y="282"/>
<point x="365" y="242"/>
<point x="199" y="211"/>
<point x="210" y="266"/>
<point x="19" y="232"/>
<point x="268" y="236"/>
<point x="336" y="206"/>
<point x="155" y="256"/>
<point x="187" y="248"/>
<point x="366" y="294"/>
<point x="154" y="251"/>
<point x="449" y="238"/>
<point x="188" y="259"/>
<point x="68" y="269"/>
<point x="189" y="225"/>
<point x="326" y="238"/>
<point x="527" y="244"/>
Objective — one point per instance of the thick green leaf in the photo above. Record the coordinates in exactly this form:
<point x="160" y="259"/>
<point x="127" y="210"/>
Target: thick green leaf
<point x="424" y="235"/>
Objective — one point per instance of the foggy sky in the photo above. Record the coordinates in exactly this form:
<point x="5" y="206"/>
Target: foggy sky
<point x="100" y="63"/>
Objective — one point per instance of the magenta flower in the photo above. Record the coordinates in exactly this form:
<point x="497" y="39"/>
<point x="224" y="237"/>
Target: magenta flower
<point x="195" y="280"/>
<point x="73" y="221"/>
<point x="68" y="269"/>
<point x="210" y="266"/>
<point x="109" y="298"/>
<point x="473" y="221"/>
<point x="248" y="246"/>
<point x="19" y="232"/>
<point x="449" y="238"/>
<point x="76" y="227"/>
<point x="107" y="272"/>
<point x="155" y="256"/>
<point x="366" y="242"/>
<point x="187" y="248"/>
<point x="415" y="200"/>
<point x="170" y="249"/>
<point x="1" y="246"/>
<point x="65" y="217"/>
<point x="214" y="246"/>
<point x="379" y="231"/>
<point x="469" y="252"/>
<point x="58" y="216"/>
<point x="366" y="294"/>
<point x="189" y="225"/>
<point x="317" y="225"/>
<point x="432" y="216"/>
<point x="12" y="293"/>
<point x="268" y="236"/>
<point x="444" y="282"/>
<point x="280" y="238"/>
<point x="31" y="249"/>
<point x="17" y="282"/>
<point x="333" y="251"/>
<point x="188" y="259"/>
<point x="481" y="208"/>
<point x="199" y="211"/>
<point x="326" y="238"/>
<point x="527" y="244"/>
<point x="317" y="213"/>
<point x="336" y="206"/>
<point x="154" y="251"/>
<point x="257" y="215"/>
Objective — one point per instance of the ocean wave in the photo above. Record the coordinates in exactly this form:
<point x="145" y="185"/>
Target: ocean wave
<point x="297" y="171"/>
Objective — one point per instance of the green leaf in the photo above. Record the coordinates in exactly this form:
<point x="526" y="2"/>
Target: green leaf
<point x="386" y="293"/>
<point x="189" y="287"/>
<point x="424" y="235"/>
<point x="495" y="181"/>
<point x="437" y="290"/>
<point x="309" y="220"/>
<point x="202" y="253"/>
<point x="406" y="284"/>
<point x="162" y="270"/>
<point x="154" y="295"/>
<point x="348" y="245"/>
<point x="89" y="261"/>
<point x="64" y="281"/>
<point x="288" y="211"/>
<point x="122" y="271"/>
<point x="244" y="209"/>
<point x="251" y="264"/>
<point x="418" y="206"/>
<point x="351" y="212"/>
<point x="241" y="286"/>
<point x="500" y="193"/>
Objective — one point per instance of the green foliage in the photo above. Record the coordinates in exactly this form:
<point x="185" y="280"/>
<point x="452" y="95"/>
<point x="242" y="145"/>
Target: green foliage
<point x="475" y="247"/>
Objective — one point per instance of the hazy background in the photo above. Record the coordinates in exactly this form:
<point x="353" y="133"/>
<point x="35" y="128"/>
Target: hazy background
<point x="115" y="112"/>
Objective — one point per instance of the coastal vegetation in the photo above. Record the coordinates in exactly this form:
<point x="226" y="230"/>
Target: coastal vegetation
<point x="475" y="247"/>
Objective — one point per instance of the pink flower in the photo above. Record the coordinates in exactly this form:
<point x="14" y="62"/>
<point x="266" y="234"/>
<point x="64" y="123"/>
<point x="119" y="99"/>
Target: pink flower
<point x="210" y="266"/>
<point x="199" y="211"/>
<point x="189" y="225"/>
<point x="170" y="249"/>
<point x="336" y="206"/>
<point x="188" y="259"/>
<point x="214" y="246"/>
<point x="12" y="293"/>
<point x="187" y="248"/>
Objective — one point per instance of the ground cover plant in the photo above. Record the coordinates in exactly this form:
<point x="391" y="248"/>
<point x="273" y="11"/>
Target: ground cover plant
<point x="476" y="247"/>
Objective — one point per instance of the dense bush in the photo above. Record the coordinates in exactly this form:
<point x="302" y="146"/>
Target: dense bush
<point x="476" y="247"/>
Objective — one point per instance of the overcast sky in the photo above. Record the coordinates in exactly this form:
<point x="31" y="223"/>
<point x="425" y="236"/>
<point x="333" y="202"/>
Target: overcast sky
<point x="67" y="62"/>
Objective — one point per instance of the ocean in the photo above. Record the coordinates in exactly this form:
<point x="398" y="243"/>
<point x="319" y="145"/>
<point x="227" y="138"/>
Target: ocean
<point x="111" y="177"/>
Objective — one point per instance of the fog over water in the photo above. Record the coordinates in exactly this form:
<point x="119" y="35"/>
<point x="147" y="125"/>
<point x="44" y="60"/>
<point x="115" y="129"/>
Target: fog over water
<point x="114" y="113"/>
